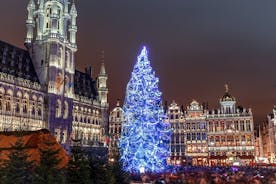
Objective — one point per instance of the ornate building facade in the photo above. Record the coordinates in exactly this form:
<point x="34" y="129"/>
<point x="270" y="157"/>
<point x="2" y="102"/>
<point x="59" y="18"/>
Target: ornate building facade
<point x="267" y="139"/>
<point x="219" y="137"/>
<point x="175" y="116"/>
<point x="230" y="133"/>
<point x="40" y="87"/>
<point x="189" y="137"/>
<point x="196" y="134"/>
<point x="115" y="127"/>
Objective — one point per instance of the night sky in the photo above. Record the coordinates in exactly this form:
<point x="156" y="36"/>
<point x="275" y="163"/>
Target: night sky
<point x="195" y="46"/>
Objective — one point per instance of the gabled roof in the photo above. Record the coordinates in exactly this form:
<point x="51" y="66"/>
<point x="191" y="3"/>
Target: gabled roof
<point x="16" y="62"/>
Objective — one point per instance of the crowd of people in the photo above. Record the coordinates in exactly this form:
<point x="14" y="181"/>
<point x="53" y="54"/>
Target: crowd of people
<point x="215" y="175"/>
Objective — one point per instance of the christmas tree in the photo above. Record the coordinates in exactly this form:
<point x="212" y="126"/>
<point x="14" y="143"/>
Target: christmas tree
<point x="144" y="143"/>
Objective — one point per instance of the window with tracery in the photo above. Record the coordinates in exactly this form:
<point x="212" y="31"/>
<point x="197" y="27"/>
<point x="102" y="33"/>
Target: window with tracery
<point x="8" y="103"/>
<point x="25" y="108"/>
<point x="17" y="108"/>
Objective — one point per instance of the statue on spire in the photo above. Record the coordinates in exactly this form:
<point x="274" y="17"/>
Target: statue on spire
<point x="226" y="88"/>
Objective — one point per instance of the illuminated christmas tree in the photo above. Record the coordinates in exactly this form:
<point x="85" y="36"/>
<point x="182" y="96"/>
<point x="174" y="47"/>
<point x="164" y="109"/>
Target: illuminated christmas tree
<point x="144" y="144"/>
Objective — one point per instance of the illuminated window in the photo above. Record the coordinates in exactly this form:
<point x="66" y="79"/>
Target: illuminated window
<point x="17" y="108"/>
<point x="230" y="140"/>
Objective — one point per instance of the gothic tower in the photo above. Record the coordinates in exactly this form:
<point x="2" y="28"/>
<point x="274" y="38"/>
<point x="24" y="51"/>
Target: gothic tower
<point x="103" y="91"/>
<point x="102" y="86"/>
<point x="51" y="41"/>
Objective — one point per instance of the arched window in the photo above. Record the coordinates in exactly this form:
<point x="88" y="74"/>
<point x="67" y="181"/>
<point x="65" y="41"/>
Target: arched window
<point x="18" y="102"/>
<point x="25" y="103"/>
<point x="58" y="109"/>
<point x="2" y="92"/>
<point x="39" y="111"/>
<point x="66" y="110"/>
<point x="9" y="100"/>
<point x="40" y="106"/>
<point x="17" y="107"/>
<point x="33" y="110"/>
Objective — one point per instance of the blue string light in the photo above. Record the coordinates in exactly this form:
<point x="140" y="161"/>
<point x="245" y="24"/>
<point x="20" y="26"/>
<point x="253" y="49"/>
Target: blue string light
<point x="144" y="143"/>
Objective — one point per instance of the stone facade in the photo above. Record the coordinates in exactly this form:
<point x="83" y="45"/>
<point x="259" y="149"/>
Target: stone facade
<point x="218" y="137"/>
<point x="231" y="136"/>
<point x="115" y="127"/>
<point x="40" y="87"/>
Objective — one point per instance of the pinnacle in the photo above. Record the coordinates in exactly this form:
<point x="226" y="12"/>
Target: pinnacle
<point x="102" y="72"/>
<point x="144" y="51"/>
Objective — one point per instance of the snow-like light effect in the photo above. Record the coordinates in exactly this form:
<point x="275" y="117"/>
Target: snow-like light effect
<point x="144" y="144"/>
